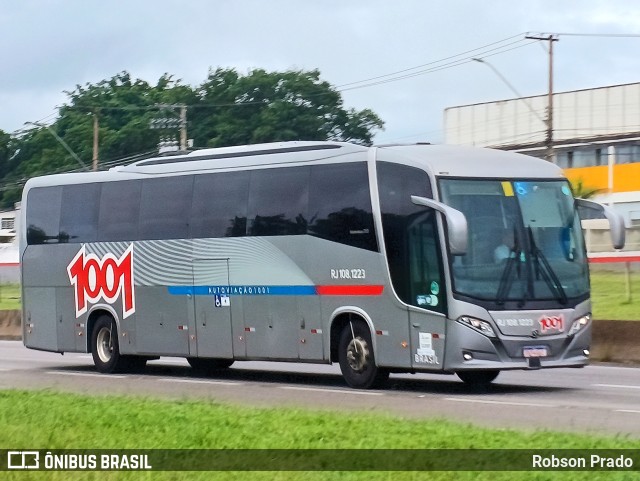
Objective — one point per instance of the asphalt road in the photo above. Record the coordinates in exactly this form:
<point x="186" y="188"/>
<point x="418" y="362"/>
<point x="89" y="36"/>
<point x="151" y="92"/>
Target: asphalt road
<point x="598" y="399"/>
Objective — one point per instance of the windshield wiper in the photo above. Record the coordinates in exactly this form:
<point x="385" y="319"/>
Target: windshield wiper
<point x="544" y="270"/>
<point x="505" y="279"/>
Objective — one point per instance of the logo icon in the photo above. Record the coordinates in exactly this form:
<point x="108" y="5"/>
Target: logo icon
<point x="23" y="460"/>
<point x="105" y="279"/>
<point x="552" y="323"/>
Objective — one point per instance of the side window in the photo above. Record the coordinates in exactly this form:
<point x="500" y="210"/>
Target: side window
<point x="411" y="237"/>
<point x="119" y="211"/>
<point x="340" y="205"/>
<point x="278" y="201"/>
<point x="79" y="216"/>
<point x="220" y="205"/>
<point x="43" y="215"/>
<point x="164" y="207"/>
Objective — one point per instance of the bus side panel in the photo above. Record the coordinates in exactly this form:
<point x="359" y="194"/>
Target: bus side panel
<point x="162" y="322"/>
<point x="212" y="312"/>
<point x="45" y="280"/>
<point x="39" y="325"/>
<point x="71" y="331"/>
<point x="311" y="339"/>
<point x="271" y="326"/>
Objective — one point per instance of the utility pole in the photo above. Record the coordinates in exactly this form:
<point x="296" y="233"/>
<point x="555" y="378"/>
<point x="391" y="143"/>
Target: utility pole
<point x="549" y="137"/>
<point x="95" y="140"/>
<point x="171" y="123"/>
<point x="183" y="127"/>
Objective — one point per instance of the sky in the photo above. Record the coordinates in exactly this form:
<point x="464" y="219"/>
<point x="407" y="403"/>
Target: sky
<point x="50" y="46"/>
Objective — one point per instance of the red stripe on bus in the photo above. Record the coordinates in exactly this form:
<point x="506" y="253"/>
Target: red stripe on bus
<point x="603" y="260"/>
<point x="349" y="290"/>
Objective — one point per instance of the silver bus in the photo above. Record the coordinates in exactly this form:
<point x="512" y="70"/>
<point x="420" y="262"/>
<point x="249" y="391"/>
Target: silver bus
<point x="387" y="259"/>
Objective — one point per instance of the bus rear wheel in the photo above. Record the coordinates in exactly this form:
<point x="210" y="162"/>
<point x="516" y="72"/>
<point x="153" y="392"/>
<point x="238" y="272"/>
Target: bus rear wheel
<point x="106" y="352"/>
<point x="357" y="359"/>
<point x="477" y="378"/>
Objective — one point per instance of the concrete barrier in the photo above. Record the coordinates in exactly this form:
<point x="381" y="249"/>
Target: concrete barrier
<point x="10" y="325"/>
<point x="616" y="341"/>
<point x="613" y="341"/>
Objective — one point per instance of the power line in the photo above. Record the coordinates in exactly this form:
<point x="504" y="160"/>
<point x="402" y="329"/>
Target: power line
<point x="429" y="63"/>
<point x="12" y="183"/>
<point x="443" y="66"/>
<point x="611" y="35"/>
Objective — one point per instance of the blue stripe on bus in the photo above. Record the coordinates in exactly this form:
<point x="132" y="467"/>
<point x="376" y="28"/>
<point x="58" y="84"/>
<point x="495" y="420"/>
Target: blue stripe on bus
<point x="243" y="290"/>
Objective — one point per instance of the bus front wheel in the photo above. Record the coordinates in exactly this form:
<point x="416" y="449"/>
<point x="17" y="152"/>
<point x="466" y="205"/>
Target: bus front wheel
<point x="357" y="359"/>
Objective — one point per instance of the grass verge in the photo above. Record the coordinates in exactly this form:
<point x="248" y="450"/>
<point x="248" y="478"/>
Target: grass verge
<point x="609" y="296"/>
<point x="9" y="297"/>
<point x="49" y="420"/>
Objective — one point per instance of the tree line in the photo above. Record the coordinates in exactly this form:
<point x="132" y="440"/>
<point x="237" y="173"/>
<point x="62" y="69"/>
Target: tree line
<point x="227" y="109"/>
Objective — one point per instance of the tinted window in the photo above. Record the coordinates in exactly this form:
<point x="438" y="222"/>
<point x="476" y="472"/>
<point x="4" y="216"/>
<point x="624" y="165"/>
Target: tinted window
<point x="164" y="208"/>
<point x="119" y="209"/>
<point x="340" y="205"/>
<point x="278" y="201"/>
<point x="220" y="205"/>
<point x="43" y="215"/>
<point x="79" y="216"/>
<point x="410" y="236"/>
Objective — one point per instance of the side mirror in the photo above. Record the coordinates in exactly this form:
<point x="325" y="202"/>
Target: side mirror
<point x="616" y="221"/>
<point x="456" y="224"/>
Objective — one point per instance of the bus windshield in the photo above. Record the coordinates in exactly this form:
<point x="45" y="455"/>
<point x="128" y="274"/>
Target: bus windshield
<point x="525" y="241"/>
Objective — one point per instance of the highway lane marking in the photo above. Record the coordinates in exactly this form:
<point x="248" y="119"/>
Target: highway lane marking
<point x="27" y="360"/>
<point x="627" y="411"/>
<point x="340" y="391"/>
<point x="617" y="386"/>
<point x="197" y="381"/>
<point x="506" y="403"/>
<point x="87" y="374"/>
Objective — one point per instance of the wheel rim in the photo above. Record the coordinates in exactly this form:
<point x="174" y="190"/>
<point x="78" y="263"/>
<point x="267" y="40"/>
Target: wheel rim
<point x="104" y="345"/>
<point x="358" y="354"/>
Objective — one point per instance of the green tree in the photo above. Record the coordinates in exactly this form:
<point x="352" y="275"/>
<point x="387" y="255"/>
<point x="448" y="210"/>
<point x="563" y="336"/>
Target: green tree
<point x="582" y="191"/>
<point x="227" y="109"/>
<point x="275" y="106"/>
<point x="5" y="153"/>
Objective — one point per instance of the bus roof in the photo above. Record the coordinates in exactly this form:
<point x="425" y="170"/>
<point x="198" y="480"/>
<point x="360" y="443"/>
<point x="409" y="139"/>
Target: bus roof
<point x="462" y="161"/>
<point x="438" y="160"/>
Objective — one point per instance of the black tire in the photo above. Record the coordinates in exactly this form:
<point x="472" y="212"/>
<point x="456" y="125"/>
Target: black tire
<point x="207" y="365"/>
<point x="477" y="378"/>
<point x="105" y="349"/>
<point x="357" y="359"/>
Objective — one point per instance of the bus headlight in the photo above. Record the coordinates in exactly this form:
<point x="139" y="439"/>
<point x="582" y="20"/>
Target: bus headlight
<point x="578" y="324"/>
<point x="481" y="326"/>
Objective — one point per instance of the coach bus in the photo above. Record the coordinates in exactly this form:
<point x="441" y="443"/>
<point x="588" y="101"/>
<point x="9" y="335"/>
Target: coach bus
<point x="387" y="259"/>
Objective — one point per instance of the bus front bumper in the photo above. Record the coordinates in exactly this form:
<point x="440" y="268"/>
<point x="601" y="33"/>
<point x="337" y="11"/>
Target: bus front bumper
<point x="467" y="349"/>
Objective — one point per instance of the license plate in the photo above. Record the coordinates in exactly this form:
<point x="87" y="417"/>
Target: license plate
<point x="535" y="351"/>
